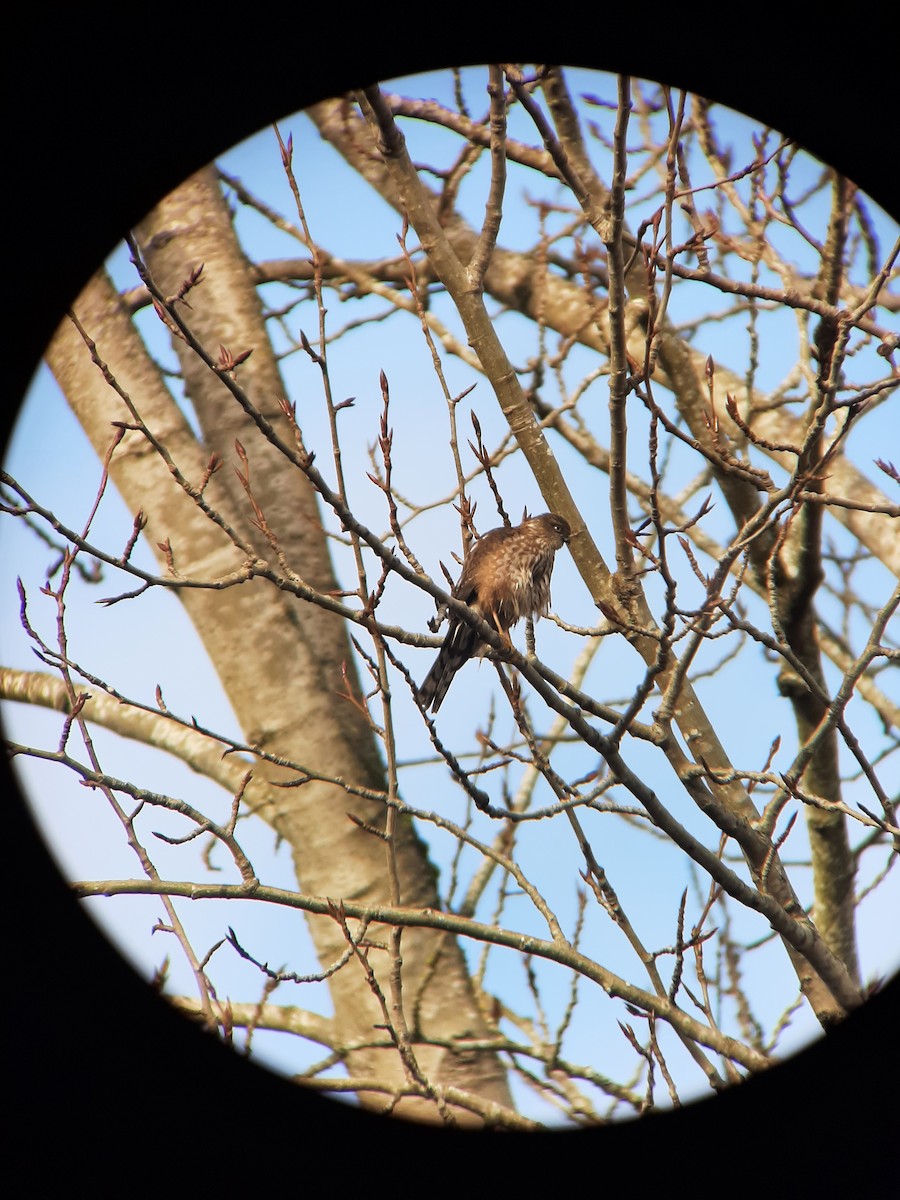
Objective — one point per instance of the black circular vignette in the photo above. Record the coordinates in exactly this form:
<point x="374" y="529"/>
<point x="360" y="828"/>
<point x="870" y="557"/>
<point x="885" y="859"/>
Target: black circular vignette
<point x="109" y="1087"/>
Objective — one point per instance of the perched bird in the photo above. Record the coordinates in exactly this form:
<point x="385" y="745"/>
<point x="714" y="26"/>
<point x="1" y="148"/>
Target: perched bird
<point x="505" y="577"/>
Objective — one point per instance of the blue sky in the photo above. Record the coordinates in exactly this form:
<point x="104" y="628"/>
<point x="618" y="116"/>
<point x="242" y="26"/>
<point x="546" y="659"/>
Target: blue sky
<point x="50" y="456"/>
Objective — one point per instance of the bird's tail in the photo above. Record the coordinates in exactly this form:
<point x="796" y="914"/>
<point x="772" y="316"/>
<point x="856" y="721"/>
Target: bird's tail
<point x="459" y="646"/>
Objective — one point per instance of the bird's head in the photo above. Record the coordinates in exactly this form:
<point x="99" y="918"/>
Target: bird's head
<point x="554" y="527"/>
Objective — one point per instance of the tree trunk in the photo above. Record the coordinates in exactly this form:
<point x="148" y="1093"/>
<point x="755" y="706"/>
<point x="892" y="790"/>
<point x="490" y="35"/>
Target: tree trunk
<point x="281" y="660"/>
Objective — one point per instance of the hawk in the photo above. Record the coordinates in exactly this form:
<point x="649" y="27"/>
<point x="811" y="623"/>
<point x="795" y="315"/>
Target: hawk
<point x="505" y="577"/>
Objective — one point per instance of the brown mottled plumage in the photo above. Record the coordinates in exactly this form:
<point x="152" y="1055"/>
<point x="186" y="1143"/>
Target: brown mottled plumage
<point x="505" y="577"/>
